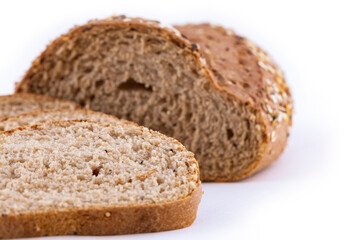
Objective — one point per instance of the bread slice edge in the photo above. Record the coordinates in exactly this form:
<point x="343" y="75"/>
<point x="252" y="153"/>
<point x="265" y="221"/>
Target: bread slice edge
<point x="110" y="220"/>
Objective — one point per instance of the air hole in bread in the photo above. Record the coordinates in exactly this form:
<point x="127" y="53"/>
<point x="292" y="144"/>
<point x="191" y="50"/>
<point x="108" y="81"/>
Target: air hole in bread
<point x="188" y="116"/>
<point x="99" y="83"/>
<point x="153" y="41"/>
<point x="245" y="85"/>
<point x="132" y="85"/>
<point x="88" y="69"/>
<point x="229" y="133"/>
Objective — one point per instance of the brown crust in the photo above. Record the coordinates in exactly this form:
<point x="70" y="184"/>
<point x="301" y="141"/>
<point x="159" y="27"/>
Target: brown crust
<point x="247" y="73"/>
<point x="36" y="97"/>
<point x="255" y="91"/>
<point x="103" y="220"/>
<point x="37" y="113"/>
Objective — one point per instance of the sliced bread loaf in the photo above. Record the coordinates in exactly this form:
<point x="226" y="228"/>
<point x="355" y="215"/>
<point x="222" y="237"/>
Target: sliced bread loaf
<point x="214" y="91"/>
<point x="37" y="117"/>
<point x="88" y="178"/>
<point x="25" y="102"/>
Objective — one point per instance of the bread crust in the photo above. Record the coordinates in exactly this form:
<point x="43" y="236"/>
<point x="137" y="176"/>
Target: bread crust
<point x="38" y="98"/>
<point x="274" y="116"/>
<point x="104" y="221"/>
<point x="247" y="74"/>
<point x="42" y="112"/>
<point x="111" y="220"/>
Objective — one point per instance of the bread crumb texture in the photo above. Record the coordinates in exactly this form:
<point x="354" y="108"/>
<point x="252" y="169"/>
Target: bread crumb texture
<point x="216" y="92"/>
<point x="81" y="164"/>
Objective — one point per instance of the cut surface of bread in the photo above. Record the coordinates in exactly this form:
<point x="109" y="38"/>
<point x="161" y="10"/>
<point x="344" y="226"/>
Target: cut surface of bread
<point x="23" y="102"/>
<point x="216" y="92"/>
<point x="37" y="117"/>
<point x="88" y="178"/>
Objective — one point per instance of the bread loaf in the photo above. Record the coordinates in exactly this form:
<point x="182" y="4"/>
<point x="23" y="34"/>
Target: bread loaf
<point x="88" y="178"/>
<point x="37" y="117"/>
<point x="24" y="102"/>
<point x="216" y="92"/>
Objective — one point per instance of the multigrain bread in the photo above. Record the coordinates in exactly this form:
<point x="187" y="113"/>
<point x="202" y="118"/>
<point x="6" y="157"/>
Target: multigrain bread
<point x="25" y="102"/>
<point x="37" y="117"/>
<point x="214" y="91"/>
<point x="88" y="178"/>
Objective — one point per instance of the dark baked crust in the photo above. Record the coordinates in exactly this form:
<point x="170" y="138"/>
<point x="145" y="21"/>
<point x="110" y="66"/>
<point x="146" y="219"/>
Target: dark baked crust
<point x="104" y="221"/>
<point x="234" y="66"/>
<point x="37" y="97"/>
<point x="247" y="73"/>
<point x="41" y="112"/>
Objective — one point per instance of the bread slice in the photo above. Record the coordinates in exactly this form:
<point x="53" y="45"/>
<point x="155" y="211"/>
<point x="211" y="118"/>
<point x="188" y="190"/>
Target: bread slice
<point x="25" y="102"/>
<point x="37" y="117"/>
<point x="89" y="178"/>
<point x="214" y="91"/>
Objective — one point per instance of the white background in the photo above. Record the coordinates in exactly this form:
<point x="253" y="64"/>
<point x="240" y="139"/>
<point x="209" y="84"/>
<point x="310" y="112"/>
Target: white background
<point x="312" y="191"/>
